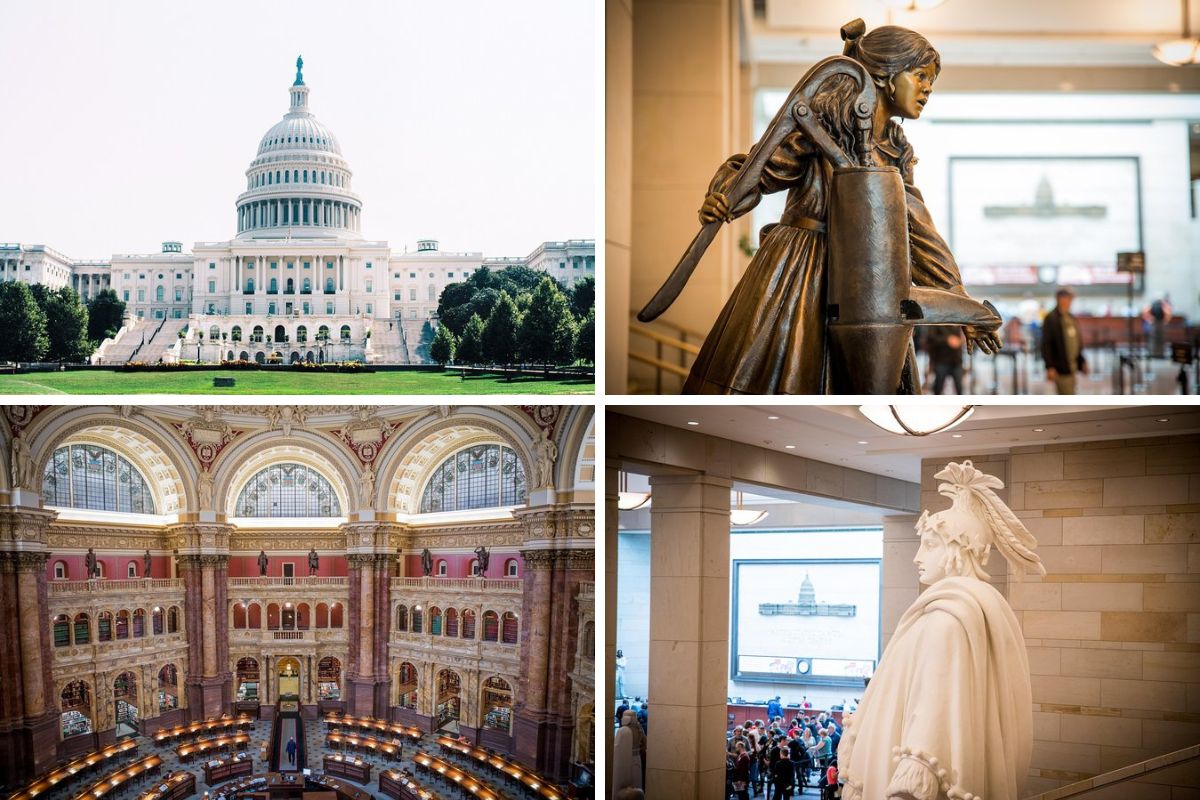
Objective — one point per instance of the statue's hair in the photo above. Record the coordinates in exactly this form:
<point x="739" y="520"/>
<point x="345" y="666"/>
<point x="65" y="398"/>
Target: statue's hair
<point x="1001" y="526"/>
<point x="884" y="52"/>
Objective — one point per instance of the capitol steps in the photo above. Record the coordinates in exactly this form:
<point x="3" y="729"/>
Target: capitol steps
<point x="118" y="348"/>
<point x="164" y="338"/>
<point x="387" y="346"/>
<point x="412" y="335"/>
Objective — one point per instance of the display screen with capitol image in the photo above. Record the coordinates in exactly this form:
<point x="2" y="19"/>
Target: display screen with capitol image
<point x="805" y="621"/>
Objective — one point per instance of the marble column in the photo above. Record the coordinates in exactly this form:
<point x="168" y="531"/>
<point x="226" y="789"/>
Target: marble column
<point x="689" y="635"/>
<point x="612" y="477"/>
<point x="39" y="731"/>
<point x="543" y="722"/>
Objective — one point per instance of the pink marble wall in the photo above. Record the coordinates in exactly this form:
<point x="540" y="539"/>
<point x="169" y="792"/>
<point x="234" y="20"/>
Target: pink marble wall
<point x="114" y="565"/>
<point x="247" y="566"/>
<point x="458" y="565"/>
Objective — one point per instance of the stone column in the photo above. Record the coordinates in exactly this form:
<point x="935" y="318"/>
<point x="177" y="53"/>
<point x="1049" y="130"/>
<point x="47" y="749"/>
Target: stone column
<point x="359" y="691"/>
<point x="543" y="722"/>
<point x="190" y="572"/>
<point x="612" y="477"/>
<point x="689" y="635"/>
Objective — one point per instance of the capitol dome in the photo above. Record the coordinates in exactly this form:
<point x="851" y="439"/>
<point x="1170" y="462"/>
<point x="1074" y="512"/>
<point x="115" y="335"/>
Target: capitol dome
<point x="298" y="184"/>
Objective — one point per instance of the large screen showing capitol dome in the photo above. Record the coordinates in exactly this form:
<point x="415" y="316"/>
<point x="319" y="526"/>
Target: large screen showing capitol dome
<point x="805" y="621"/>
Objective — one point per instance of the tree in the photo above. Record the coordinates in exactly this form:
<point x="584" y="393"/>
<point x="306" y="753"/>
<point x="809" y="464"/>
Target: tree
<point x="66" y="325"/>
<point x="424" y="342"/>
<point x="547" y="333"/>
<point x="583" y="297"/>
<point x="444" y="344"/>
<point x="105" y="313"/>
<point x="470" y="347"/>
<point x="23" y="323"/>
<point x="500" y="331"/>
<point x="585" y="342"/>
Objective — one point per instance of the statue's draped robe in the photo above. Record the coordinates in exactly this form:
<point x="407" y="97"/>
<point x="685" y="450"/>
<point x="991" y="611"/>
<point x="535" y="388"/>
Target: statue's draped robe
<point x="627" y="759"/>
<point x="770" y="337"/>
<point x="953" y="685"/>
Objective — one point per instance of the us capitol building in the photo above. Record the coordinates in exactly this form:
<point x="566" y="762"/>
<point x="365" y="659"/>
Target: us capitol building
<point x="299" y="281"/>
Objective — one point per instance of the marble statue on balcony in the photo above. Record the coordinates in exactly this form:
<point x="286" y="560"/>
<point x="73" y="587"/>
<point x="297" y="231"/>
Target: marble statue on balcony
<point x="949" y="713"/>
<point x="90" y="564"/>
<point x="314" y="561"/>
<point x="263" y="562"/>
<point x="426" y="562"/>
<point x="146" y="564"/>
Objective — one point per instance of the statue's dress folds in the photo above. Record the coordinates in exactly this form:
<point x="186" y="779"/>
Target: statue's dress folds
<point x="952" y="686"/>
<point x="770" y="337"/>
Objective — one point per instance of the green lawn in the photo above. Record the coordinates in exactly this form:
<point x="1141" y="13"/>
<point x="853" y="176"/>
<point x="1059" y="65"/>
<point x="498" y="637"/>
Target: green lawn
<point x="251" y="382"/>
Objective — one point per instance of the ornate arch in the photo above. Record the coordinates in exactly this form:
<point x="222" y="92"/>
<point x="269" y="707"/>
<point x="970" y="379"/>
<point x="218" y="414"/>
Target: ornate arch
<point x="576" y="448"/>
<point x="408" y="464"/>
<point x="161" y="457"/>
<point x="236" y="465"/>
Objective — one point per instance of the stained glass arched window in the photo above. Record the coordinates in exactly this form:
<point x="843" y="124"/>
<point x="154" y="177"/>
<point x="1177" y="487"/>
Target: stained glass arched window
<point x="94" y="477"/>
<point x="288" y="490"/>
<point x="482" y="476"/>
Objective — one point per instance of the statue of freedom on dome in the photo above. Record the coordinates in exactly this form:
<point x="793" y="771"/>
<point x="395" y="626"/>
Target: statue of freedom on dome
<point x="299" y="68"/>
<point x="949" y="712"/>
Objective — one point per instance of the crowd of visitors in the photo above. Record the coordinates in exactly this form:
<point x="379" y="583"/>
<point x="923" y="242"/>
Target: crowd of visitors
<point x="780" y="759"/>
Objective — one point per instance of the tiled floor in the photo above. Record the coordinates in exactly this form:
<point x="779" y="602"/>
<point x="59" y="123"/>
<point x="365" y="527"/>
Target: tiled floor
<point x="314" y="737"/>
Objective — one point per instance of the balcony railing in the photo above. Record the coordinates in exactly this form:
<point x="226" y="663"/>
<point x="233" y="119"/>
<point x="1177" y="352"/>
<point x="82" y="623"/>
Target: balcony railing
<point x="297" y="581"/>
<point x="460" y="584"/>
<point x="105" y="585"/>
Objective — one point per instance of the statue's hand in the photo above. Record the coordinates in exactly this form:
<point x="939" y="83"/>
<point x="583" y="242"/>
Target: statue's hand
<point x="715" y="208"/>
<point x="987" y="341"/>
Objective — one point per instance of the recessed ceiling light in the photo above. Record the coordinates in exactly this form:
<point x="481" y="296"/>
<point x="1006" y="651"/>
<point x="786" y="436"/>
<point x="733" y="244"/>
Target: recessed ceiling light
<point x="956" y="436"/>
<point x="693" y="422"/>
<point x="1039" y="430"/>
<point x="772" y="417"/>
<point x="1164" y="419"/>
<point x="863" y="441"/>
<point x="789" y="447"/>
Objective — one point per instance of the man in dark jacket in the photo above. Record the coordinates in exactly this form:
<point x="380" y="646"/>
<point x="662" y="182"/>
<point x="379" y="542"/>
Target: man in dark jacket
<point x="1062" y="344"/>
<point x="783" y="776"/>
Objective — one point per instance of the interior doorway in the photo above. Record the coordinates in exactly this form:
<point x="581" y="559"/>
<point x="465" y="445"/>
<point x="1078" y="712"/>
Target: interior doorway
<point x="448" y="699"/>
<point x="125" y="700"/>
<point x="289" y="678"/>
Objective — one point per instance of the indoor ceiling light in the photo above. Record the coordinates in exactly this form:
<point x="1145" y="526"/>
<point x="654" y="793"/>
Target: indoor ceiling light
<point x="627" y="500"/>
<point x="1178" y="52"/>
<point x="916" y="419"/>
<point x="745" y="516"/>
<point x="912" y="5"/>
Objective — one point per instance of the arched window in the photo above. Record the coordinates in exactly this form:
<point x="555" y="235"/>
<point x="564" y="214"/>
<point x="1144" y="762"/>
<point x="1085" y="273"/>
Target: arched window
<point x="288" y="490"/>
<point x="236" y="333"/>
<point x="474" y="567"/>
<point x="214" y="333"/>
<point x="173" y="620"/>
<point x="510" y="568"/>
<point x="491" y="626"/>
<point x="322" y="615"/>
<point x="508" y="628"/>
<point x="158" y="294"/>
<point x="481" y="476"/>
<point x="156" y="620"/>
<point x="441" y="568"/>
<point x="122" y="624"/>
<point x="273" y="286"/>
<point x="290" y="286"/>
<point x="345" y="333"/>
<point x="435" y="621"/>
<point x="83" y="629"/>
<point x="402" y="618"/>
<point x="416" y="619"/>
<point x="256" y="335"/>
<point x="323" y="333"/>
<point x="452" y="622"/>
<point x="131" y="569"/>
<point x="306" y="286"/>
<point x="104" y="626"/>
<point x="335" y="615"/>
<point x="329" y="286"/>
<point x="139" y="623"/>
<point x="62" y="631"/>
<point x="249" y="285"/>
<point x="301" y="334"/>
<point x="60" y="570"/>
<point x="239" y="616"/>
<point x="94" y="477"/>
<point x="468" y="624"/>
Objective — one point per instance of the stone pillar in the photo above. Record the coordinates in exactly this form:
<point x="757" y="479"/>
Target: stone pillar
<point x="193" y="688"/>
<point x="543" y="722"/>
<point x="359" y="676"/>
<point x="209" y="679"/>
<point x="28" y="706"/>
<point x="612" y="477"/>
<point x="689" y="635"/>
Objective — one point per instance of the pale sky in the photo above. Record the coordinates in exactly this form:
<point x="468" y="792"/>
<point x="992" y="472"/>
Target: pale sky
<point x="467" y="121"/>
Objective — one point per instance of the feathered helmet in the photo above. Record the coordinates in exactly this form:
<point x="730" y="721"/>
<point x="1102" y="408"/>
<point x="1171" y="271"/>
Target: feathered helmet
<point x="991" y="522"/>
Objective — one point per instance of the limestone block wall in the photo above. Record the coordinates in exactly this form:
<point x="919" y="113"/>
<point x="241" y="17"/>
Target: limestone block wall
<point x="1113" y="629"/>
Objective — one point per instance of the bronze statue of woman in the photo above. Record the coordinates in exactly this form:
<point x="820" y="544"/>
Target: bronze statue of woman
<point x="772" y="337"/>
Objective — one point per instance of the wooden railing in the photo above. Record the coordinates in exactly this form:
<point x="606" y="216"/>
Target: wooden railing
<point x="1150" y="774"/>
